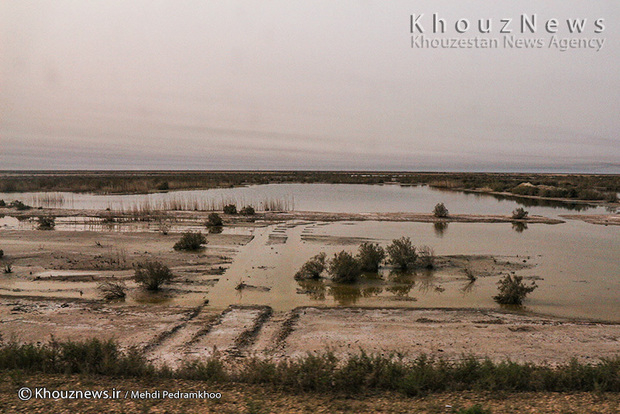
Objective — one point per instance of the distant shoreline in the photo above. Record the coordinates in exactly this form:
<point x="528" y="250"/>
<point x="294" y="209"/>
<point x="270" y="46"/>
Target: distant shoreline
<point x="595" y="189"/>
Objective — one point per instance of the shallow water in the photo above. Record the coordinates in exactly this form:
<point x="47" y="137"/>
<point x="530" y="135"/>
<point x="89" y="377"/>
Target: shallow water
<point x="577" y="262"/>
<point x="351" y="198"/>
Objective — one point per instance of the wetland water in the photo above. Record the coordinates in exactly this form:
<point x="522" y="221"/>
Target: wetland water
<point x="575" y="264"/>
<point x="333" y="198"/>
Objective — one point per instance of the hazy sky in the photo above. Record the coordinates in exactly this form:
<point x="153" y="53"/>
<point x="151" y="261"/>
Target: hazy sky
<point x="301" y="85"/>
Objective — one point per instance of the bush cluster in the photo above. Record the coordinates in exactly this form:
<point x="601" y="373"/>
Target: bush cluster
<point x="440" y="211"/>
<point x="230" y="209"/>
<point x="247" y="211"/>
<point x="47" y="223"/>
<point x="18" y="205"/>
<point x="370" y="256"/>
<point x="190" y="241"/>
<point x="512" y="290"/>
<point x="345" y="267"/>
<point x="402" y="253"/>
<point x="313" y="268"/>
<point x="214" y="220"/>
<point x="152" y="275"/>
<point x="519" y="213"/>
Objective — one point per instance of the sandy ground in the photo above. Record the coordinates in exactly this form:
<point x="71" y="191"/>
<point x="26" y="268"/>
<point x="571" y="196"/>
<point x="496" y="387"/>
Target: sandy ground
<point x="601" y="219"/>
<point x="172" y="334"/>
<point x="34" y="309"/>
<point x="200" y="216"/>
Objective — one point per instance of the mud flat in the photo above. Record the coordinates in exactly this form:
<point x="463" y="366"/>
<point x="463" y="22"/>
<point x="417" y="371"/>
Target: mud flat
<point x="172" y="334"/>
<point x="601" y="219"/>
<point x="406" y="217"/>
<point x="449" y="333"/>
<point x="200" y="216"/>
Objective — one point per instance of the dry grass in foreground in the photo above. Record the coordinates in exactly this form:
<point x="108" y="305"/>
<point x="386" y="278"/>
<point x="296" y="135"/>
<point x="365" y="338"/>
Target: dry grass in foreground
<point x="237" y="398"/>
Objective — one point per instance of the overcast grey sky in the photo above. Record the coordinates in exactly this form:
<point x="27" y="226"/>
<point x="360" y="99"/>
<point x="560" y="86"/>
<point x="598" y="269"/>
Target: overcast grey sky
<point x="301" y="85"/>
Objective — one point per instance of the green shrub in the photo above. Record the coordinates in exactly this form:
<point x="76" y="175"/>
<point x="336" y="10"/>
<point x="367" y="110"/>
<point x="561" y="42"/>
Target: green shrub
<point x="190" y="241"/>
<point x="19" y="205"/>
<point x="2" y="203"/>
<point x="313" y="268"/>
<point x="370" y="256"/>
<point x="214" y="220"/>
<point x="402" y="253"/>
<point x="1" y="253"/>
<point x="152" y="275"/>
<point x="247" y="211"/>
<point x="512" y="290"/>
<point x="519" y="213"/>
<point x="163" y="186"/>
<point x="47" y="223"/>
<point x="230" y="209"/>
<point x="322" y="372"/>
<point x="440" y="210"/>
<point x="344" y="267"/>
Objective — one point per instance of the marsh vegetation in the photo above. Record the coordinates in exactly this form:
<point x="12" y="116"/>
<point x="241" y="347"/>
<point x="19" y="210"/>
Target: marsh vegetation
<point x="190" y="241"/>
<point x="323" y="372"/>
<point x="152" y="275"/>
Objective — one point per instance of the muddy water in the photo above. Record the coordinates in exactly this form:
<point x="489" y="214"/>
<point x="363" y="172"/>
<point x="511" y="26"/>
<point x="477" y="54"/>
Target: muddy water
<point x="575" y="266"/>
<point x="352" y="198"/>
<point x="576" y="262"/>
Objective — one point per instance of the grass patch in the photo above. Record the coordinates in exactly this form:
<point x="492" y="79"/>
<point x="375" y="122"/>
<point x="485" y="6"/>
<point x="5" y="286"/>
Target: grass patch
<point x="324" y="372"/>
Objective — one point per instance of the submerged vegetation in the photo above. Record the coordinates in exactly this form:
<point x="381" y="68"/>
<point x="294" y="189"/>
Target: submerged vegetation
<point x="370" y="256"/>
<point x="313" y="268"/>
<point x="344" y="267"/>
<point x="152" y="275"/>
<point x="512" y="290"/>
<point x="324" y="372"/>
<point x="402" y="253"/>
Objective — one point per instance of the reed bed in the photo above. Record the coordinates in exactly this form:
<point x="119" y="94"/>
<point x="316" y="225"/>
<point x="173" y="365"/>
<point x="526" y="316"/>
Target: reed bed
<point x="149" y="207"/>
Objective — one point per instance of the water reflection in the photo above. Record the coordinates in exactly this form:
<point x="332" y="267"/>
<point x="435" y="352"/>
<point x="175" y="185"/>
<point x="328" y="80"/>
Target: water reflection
<point x="216" y="229"/>
<point x="347" y="295"/>
<point x="315" y="289"/>
<point x="440" y="228"/>
<point x="519" y="226"/>
<point x="468" y="287"/>
<point x="395" y="283"/>
<point x="536" y="202"/>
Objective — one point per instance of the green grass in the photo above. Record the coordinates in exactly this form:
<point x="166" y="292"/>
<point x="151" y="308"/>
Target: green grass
<point x="323" y="373"/>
